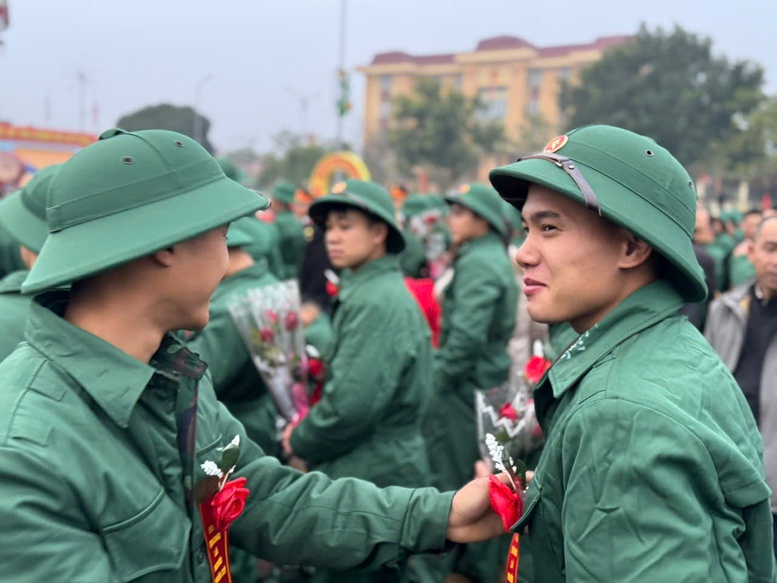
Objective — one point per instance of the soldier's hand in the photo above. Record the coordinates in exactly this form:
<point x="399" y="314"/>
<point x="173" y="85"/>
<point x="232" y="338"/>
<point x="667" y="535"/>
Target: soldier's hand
<point x="471" y="518"/>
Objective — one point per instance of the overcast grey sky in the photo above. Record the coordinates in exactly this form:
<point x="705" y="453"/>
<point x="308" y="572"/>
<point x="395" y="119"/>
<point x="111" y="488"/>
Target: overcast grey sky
<point x="252" y="60"/>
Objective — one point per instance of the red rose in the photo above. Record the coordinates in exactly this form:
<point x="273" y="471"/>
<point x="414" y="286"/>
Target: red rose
<point x="291" y="321"/>
<point x="508" y="412"/>
<point x="535" y="368"/>
<point x="271" y="316"/>
<point x="227" y="504"/>
<point x="506" y="503"/>
<point x="267" y="335"/>
<point x="332" y="289"/>
<point x="316" y="368"/>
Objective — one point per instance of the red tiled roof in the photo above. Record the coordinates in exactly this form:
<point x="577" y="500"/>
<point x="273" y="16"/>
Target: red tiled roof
<point x="502" y="42"/>
<point x="499" y="43"/>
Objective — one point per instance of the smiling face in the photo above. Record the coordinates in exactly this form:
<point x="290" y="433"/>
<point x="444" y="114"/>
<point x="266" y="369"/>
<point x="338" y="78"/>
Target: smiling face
<point x="577" y="266"/>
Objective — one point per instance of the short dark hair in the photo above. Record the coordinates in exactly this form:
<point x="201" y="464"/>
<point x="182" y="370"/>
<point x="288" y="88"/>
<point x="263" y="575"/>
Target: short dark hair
<point x="341" y="208"/>
<point x="750" y="212"/>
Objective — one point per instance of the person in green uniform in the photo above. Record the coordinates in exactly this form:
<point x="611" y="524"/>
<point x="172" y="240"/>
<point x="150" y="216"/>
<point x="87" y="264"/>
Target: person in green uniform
<point x="235" y="379"/>
<point x="740" y="268"/>
<point x="265" y="243"/>
<point x="368" y="421"/>
<point x="291" y="235"/>
<point x="478" y="319"/>
<point x="10" y="259"/>
<point x="652" y="468"/>
<point x="107" y="419"/>
<point x="412" y="260"/>
<point x="23" y="216"/>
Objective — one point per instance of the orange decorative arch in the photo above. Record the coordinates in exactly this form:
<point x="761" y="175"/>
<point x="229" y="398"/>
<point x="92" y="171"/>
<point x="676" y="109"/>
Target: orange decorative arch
<point x="346" y="163"/>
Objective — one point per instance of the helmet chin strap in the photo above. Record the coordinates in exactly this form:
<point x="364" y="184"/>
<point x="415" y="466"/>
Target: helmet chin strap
<point x="591" y="201"/>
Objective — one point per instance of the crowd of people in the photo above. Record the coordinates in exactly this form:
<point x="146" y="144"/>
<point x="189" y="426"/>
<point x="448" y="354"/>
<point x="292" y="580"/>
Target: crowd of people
<point x="124" y="374"/>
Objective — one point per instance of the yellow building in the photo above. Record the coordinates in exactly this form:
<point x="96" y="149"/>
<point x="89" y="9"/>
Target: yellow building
<point x="518" y="82"/>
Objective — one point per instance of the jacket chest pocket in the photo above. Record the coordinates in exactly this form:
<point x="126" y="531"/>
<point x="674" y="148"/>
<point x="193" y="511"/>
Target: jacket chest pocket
<point x="151" y="545"/>
<point x="544" y="536"/>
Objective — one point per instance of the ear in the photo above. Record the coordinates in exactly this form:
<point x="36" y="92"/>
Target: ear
<point x="164" y="257"/>
<point x="751" y="251"/>
<point x="380" y="232"/>
<point x="635" y="251"/>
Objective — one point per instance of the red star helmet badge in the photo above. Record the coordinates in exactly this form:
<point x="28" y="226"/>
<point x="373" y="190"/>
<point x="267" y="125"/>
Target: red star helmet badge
<point x="556" y="144"/>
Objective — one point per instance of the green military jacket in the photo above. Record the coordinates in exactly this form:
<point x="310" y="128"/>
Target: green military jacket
<point x="652" y="469"/>
<point x="14" y="308"/>
<point x="10" y="259"/>
<point x="368" y="422"/>
<point x="93" y="483"/>
<point x="237" y="382"/>
<point x="478" y="319"/>
<point x="292" y="242"/>
<point x="266" y="247"/>
<point x="412" y="260"/>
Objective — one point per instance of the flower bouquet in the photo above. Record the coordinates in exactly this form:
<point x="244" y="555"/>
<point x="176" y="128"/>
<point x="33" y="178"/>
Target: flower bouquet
<point x="268" y="320"/>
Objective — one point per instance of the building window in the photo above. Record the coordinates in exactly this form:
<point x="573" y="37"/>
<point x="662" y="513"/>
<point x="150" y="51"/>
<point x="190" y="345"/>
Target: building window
<point x="564" y="73"/>
<point x="534" y="78"/>
<point x="385" y="110"/>
<point x="494" y="100"/>
<point x="385" y="87"/>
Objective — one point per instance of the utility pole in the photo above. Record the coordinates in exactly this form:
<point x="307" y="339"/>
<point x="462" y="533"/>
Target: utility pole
<point x="341" y="68"/>
<point x="82" y="82"/>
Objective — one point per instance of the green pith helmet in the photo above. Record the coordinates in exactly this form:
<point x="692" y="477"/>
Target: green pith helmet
<point x="231" y="170"/>
<point x="283" y="192"/>
<point x="23" y="213"/>
<point x="482" y="200"/>
<point x="240" y="232"/>
<point x="367" y="197"/>
<point x="626" y="178"/>
<point x="414" y="205"/>
<point x="130" y="194"/>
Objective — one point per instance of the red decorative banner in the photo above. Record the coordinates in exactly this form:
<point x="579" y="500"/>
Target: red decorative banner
<point x="217" y="514"/>
<point x="513" y="558"/>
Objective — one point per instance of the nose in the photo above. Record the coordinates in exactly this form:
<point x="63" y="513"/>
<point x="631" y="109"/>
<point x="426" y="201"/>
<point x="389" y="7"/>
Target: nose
<point x="527" y="254"/>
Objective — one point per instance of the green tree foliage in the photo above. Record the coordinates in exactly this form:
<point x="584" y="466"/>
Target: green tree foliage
<point x="667" y="85"/>
<point x="165" y="116"/>
<point x="293" y="160"/>
<point x="440" y="131"/>
<point x="752" y="152"/>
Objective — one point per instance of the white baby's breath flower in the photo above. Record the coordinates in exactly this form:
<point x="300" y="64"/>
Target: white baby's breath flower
<point x="211" y="469"/>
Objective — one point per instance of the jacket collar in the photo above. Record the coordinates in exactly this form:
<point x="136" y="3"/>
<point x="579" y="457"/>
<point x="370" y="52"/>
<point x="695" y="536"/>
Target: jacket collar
<point x="12" y="283"/>
<point x="351" y="280"/>
<point x="642" y="309"/>
<point x="113" y="378"/>
<point x="488" y="239"/>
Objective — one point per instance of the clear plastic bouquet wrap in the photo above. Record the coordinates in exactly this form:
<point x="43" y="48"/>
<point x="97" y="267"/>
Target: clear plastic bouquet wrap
<point x="268" y="320"/>
<point x="507" y="413"/>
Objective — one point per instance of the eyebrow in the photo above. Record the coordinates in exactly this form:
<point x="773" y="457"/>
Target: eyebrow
<point x="539" y="215"/>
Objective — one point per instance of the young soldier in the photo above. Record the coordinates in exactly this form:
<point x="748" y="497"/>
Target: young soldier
<point x="478" y="319"/>
<point x="368" y="422"/>
<point x="23" y="215"/>
<point x="652" y="466"/>
<point x="290" y="232"/>
<point x="106" y="419"/>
